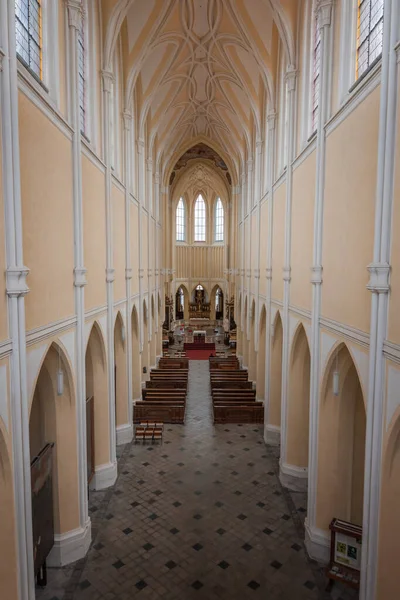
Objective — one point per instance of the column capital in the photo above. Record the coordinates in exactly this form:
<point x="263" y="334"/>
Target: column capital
<point x="324" y="13"/>
<point x="75" y="13"/>
<point x="290" y="78"/>
<point x="80" y="277"/>
<point x="287" y="273"/>
<point x="16" y="281"/>
<point x="379" y="278"/>
<point x="149" y="164"/>
<point x="110" y="275"/>
<point x="271" y="119"/>
<point x="127" y="117"/>
<point x="157" y="177"/>
<point x="140" y="146"/>
<point x="316" y="275"/>
<point x="268" y="273"/>
<point x="128" y="273"/>
<point x="250" y="164"/>
<point x="108" y="80"/>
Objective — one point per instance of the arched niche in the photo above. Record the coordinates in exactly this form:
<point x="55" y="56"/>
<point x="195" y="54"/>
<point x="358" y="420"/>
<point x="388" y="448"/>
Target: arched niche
<point x="153" y="334"/>
<point x="121" y="375"/>
<point x="136" y="375"/>
<point x="145" y="356"/>
<point x="341" y="442"/>
<point x="261" y="354"/>
<point x="245" y="343"/>
<point x="252" y="360"/>
<point x="52" y="420"/>
<point x="97" y="408"/>
<point x="299" y="401"/>
<point x="217" y="303"/>
<point x="389" y="526"/>
<point x="8" y="558"/>
<point x="276" y="373"/>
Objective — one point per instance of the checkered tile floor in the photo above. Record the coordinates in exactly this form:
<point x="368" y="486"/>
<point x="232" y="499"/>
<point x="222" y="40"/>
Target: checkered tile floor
<point x="201" y="515"/>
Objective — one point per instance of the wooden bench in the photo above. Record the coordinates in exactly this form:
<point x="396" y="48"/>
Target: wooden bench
<point x="253" y="413"/>
<point x="226" y="383"/>
<point x="173" y="363"/>
<point x="167" y="383"/>
<point x="163" y="394"/>
<point x="166" y="412"/>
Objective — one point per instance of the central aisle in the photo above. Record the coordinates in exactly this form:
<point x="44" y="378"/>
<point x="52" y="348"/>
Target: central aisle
<point x="200" y="516"/>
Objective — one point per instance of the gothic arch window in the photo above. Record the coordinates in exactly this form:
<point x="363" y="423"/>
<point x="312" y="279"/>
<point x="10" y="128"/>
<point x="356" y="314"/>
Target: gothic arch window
<point x="200" y="219"/>
<point x="82" y="74"/>
<point x="28" y="30"/>
<point x="180" y="221"/>
<point x="316" y="70"/>
<point x="219" y="221"/>
<point x="369" y="33"/>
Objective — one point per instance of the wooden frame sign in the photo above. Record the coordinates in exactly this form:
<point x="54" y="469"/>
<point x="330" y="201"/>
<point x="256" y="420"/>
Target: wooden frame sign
<point x="345" y="559"/>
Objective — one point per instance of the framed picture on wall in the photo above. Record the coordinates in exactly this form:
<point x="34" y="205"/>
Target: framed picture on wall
<point x="345" y="558"/>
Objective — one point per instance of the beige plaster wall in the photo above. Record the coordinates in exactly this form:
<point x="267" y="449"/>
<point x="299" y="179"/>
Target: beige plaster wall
<point x="118" y="204"/>
<point x="351" y="163"/>
<point x="3" y="265"/>
<point x="94" y="234"/>
<point x="278" y="242"/>
<point x="62" y="52"/>
<point x="394" y="317"/>
<point x="134" y="249"/>
<point x="302" y="233"/>
<point x="263" y="248"/>
<point x="46" y="195"/>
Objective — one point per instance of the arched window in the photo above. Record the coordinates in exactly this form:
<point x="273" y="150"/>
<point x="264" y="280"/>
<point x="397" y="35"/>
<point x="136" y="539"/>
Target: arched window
<point x="369" y="33"/>
<point x="180" y="221"/>
<point x="200" y="220"/>
<point x="315" y="74"/>
<point x="28" y="30"/>
<point x="82" y="75"/>
<point x="219" y="221"/>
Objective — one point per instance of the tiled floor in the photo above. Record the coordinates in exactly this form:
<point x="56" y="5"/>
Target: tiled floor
<point x="201" y="516"/>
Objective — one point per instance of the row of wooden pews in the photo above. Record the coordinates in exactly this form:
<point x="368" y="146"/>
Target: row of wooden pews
<point x="233" y="396"/>
<point x="164" y="397"/>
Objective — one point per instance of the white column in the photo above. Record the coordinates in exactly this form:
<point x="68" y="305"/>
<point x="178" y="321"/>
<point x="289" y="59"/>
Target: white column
<point x="128" y="263"/>
<point x="249" y="181"/>
<point x="291" y="107"/>
<point x="140" y="151"/>
<point x="257" y="192"/>
<point x="324" y="22"/>
<point x="149" y="195"/>
<point x="270" y="150"/>
<point x="74" y="14"/>
<point x="378" y="284"/>
<point x="16" y="289"/>
<point x="108" y="79"/>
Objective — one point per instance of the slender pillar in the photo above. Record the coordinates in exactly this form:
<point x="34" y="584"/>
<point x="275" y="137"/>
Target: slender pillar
<point x="378" y="284"/>
<point x="128" y="263"/>
<point x="291" y="75"/>
<point x="140" y="151"/>
<point x="108" y="79"/>
<point x="74" y="14"/>
<point x="16" y="288"/>
<point x="324" y="9"/>
<point x="270" y="149"/>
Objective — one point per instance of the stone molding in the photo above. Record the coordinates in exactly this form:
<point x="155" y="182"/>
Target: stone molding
<point x="379" y="278"/>
<point x="16" y="281"/>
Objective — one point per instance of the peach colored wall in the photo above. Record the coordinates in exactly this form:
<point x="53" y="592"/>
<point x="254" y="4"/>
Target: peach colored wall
<point x="254" y="248"/>
<point x="278" y="242"/>
<point x="3" y="297"/>
<point x="134" y="249"/>
<point x="46" y="194"/>
<point x="302" y="233"/>
<point x="118" y="203"/>
<point x="349" y="215"/>
<point x="394" y="319"/>
<point x="145" y="263"/>
<point x="263" y="248"/>
<point x="94" y="231"/>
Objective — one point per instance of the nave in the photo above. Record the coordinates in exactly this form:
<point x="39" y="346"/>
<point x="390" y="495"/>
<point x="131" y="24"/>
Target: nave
<point x="201" y="516"/>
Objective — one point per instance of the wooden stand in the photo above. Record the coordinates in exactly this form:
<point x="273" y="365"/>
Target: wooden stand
<point x="345" y="559"/>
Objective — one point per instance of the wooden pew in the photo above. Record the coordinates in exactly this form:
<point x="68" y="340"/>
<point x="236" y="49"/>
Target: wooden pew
<point x="227" y="383"/>
<point x="166" y="383"/>
<point x="238" y="413"/>
<point x="173" y="363"/>
<point x="166" y="412"/>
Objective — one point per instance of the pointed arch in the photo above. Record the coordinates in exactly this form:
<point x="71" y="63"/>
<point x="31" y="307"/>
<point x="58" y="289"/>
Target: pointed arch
<point x="341" y="444"/>
<point x="136" y="376"/>
<point x="276" y="373"/>
<point x="219" y="221"/>
<point x="200" y="219"/>
<point x="8" y="554"/>
<point x="299" y="402"/>
<point x="121" y="374"/>
<point x="180" y="220"/>
<point x="52" y="420"/>
<point x="262" y="334"/>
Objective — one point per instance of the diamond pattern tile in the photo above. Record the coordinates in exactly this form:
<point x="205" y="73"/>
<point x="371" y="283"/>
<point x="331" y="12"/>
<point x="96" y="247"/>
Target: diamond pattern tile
<point x="202" y="515"/>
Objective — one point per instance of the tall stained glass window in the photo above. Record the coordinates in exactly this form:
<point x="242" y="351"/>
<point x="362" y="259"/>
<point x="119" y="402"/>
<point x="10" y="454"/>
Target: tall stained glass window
<point x="200" y="220"/>
<point x="369" y="33"/>
<point x="180" y="221"/>
<point x="219" y="221"/>
<point x="28" y="33"/>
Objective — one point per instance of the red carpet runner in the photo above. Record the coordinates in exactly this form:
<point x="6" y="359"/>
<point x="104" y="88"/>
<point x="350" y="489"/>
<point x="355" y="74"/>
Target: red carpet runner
<point x="199" y="354"/>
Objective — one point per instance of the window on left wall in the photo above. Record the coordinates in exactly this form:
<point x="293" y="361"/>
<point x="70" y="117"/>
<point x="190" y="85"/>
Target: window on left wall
<point x="28" y="30"/>
<point x="82" y="77"/>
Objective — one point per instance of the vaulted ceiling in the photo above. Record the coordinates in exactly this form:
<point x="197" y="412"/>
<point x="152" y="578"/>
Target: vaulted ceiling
<point x="200" y="71"/>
